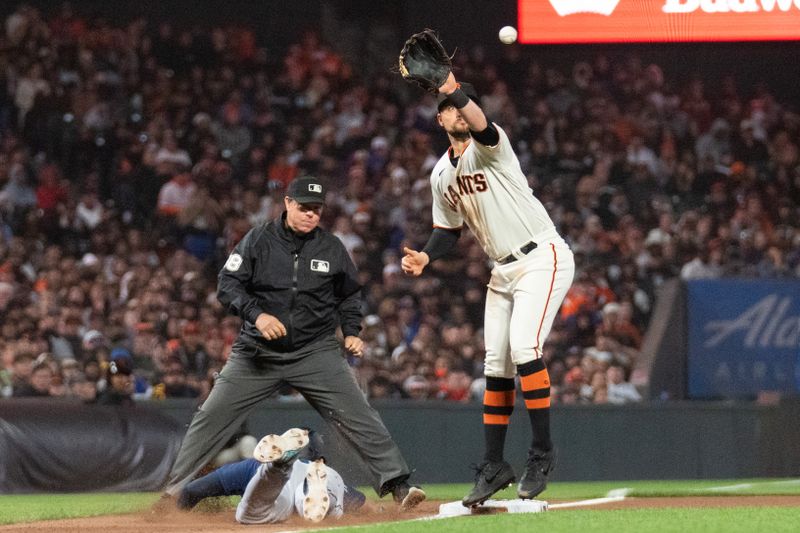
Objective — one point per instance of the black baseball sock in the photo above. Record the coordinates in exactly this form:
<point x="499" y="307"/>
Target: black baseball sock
<point x="498" y="404"/>
<point x="536" y="391"/>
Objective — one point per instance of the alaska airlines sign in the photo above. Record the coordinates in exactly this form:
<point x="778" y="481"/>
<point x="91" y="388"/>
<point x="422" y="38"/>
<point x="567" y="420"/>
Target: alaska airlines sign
<point x="744" y="337"/>
<point x="594" y="21"/>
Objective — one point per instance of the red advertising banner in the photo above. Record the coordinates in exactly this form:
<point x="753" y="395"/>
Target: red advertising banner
<point x="613" y="21"/>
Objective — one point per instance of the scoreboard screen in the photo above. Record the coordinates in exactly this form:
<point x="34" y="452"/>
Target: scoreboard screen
<point x="619" y="21"/>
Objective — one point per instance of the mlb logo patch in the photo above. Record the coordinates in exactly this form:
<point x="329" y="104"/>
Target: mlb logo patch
<point x="315" y="187"/>
<point x="318" y="265"/>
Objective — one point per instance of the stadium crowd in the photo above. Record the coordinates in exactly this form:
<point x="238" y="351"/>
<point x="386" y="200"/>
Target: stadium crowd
<point x="133" y="158"/>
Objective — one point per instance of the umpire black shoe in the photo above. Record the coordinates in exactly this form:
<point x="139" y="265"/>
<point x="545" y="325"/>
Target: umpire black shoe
<point x="534" y="478"/>
<point x="491" y="477"/>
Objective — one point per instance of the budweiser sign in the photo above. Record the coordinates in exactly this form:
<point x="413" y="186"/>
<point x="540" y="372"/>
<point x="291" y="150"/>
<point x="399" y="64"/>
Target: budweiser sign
<point x="728" y="6"/>
<point x="570" y="7"/>
<point x="588" y="21"/>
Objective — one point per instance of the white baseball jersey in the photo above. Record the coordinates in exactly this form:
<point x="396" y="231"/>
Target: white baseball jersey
<point x="489" y="192"/>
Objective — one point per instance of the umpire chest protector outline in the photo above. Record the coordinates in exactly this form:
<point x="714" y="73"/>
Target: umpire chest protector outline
<point x="307" y="282"/>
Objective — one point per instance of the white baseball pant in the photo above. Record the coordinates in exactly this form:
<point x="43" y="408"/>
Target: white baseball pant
<point x="522" y="302"/>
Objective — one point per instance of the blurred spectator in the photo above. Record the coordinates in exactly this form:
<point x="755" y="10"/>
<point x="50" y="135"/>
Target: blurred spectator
<point x="456" y="387"/>
<point x="70" y="371"/>
<point x="381" y="387"/>
<point x="617" y="325"/>
<point x="88" y="213"/>
<point x="174" y="384"/>
<point x="119" y="384"/>
<point x="619" y="390"/>
<point x="232" y="136"/>
<point x="142" y="388"/>
<point x="201" y="220"/>
<point x="39" y="383"/>
<point x="134" y="157"/>
<point x="83" y="389"/>
<point x="704" y="264"/>
<point x="416" y="387"/>
<point x="191" y="352"/>
<point x="31" y="84"/>
<point x="21" y="371"/>
<point x="176" y="194"/>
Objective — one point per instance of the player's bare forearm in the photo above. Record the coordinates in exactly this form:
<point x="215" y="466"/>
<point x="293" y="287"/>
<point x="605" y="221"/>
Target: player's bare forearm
<point x="474" y="117"/>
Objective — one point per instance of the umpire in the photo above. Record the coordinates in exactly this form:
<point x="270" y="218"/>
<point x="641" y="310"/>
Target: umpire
<point x="293" y="283"/>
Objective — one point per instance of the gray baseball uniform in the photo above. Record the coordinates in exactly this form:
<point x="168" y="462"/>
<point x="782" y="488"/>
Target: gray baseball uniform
<point x="277" y="490"/>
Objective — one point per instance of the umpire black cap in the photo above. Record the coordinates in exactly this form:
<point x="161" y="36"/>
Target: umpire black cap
<point x="467" y="88"/>
<point x="307" y="190"/>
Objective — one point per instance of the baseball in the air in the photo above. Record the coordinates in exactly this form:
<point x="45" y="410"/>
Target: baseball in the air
<point x="507" y="34"/>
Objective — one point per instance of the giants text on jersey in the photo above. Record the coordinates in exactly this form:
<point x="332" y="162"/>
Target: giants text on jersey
<point x="489" y="192"/>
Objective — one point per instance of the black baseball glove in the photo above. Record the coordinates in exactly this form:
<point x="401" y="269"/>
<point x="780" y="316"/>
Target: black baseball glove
<point x="424" y="61"/>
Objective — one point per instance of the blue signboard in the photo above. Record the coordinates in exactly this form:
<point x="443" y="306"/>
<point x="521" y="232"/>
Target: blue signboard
<point x="744" y="337"/>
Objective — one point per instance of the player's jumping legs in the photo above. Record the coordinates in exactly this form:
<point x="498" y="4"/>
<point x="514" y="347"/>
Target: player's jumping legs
<point x="494" y="473"/>
<point x="499" y="396"/>
<point x="539" y="290"/>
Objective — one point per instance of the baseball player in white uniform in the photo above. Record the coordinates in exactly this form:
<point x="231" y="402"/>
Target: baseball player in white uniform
<point x="479" y="182"/>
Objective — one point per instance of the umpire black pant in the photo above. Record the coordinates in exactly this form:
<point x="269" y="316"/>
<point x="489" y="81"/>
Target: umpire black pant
<point x="321" y="374"/>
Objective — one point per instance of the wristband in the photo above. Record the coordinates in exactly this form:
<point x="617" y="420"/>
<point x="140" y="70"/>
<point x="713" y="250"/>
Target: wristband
<point x="458" y="98"/>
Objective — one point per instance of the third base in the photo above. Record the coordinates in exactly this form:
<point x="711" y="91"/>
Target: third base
<point x="493" y="506"/>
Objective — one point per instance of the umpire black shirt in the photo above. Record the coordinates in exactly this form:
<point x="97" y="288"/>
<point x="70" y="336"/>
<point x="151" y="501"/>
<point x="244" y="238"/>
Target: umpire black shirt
<point x="308" y="282"/>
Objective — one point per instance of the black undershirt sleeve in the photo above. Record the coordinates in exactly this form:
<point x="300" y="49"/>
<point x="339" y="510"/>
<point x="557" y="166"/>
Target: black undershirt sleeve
<point x="487" y="137"/>
<point x="440" y="242"/>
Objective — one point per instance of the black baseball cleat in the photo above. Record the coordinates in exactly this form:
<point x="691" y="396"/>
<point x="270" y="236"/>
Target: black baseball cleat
<point x="407" y="496"/>
<point x="491" y="477"/>
<point x="534" y="478"/>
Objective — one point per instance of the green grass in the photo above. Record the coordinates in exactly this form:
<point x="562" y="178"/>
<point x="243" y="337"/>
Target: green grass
<point x="733" y="520"/>
<point x="31" y="507"/>
<point x="27" y="508"/>
<point x="599" y="489"/>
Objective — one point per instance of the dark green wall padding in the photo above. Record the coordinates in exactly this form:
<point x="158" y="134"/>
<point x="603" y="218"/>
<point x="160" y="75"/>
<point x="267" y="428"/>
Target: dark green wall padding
<point x="664" y="441"/>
